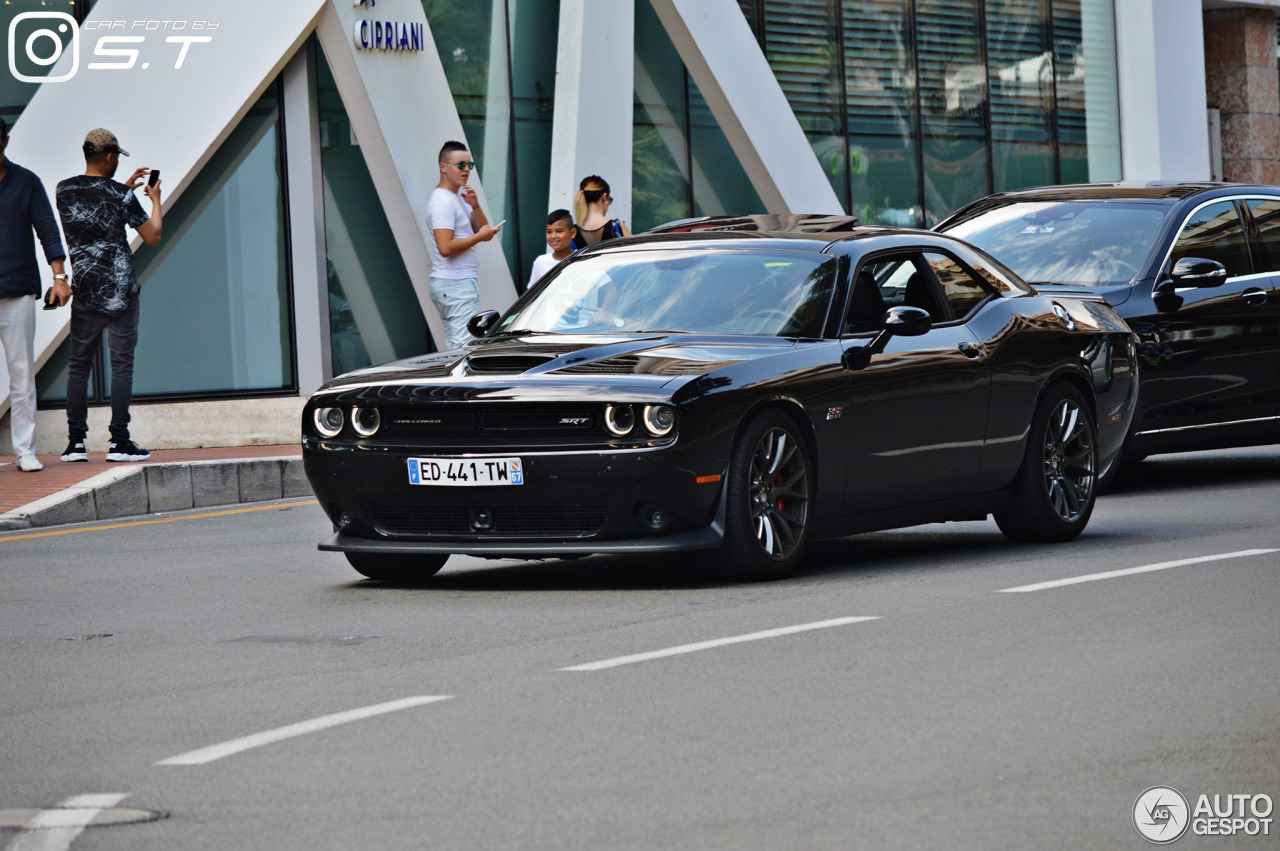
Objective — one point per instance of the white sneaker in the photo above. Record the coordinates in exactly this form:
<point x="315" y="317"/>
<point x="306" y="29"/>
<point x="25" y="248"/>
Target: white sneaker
<point x="29" y="463"/>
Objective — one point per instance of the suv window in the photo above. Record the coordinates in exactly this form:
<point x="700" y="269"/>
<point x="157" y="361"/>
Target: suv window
<point x="1267" y="216"/>
<point x="1214" y="232"/>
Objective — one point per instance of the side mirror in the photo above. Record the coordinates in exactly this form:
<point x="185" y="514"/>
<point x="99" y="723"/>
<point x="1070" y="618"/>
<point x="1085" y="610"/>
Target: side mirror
<point x="907" y="321"/>
<point x="1198" y="272"/>
<point x="898" y="322"/>
<point x="482" y="323"/>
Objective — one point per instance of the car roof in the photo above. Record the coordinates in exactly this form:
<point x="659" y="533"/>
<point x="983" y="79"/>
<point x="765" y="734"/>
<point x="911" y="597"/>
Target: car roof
<point x="1156" y="190"/>
<point x="790" y="232"/>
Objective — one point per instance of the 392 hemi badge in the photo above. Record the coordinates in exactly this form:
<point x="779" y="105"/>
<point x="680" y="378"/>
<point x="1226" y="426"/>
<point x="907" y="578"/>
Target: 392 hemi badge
<point x="834" y="413"/>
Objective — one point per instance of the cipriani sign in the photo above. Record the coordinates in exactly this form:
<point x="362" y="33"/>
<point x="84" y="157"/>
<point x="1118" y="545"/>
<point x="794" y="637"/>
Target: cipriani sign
<point x="395" y="36"/>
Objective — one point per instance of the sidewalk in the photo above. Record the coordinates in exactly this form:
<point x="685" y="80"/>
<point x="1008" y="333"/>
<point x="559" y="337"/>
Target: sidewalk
<point x="171" y="480"/>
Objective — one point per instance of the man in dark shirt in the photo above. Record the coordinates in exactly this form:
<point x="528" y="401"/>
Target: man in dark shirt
<point x="24" y="207"/>
<point x="95" y="211"/>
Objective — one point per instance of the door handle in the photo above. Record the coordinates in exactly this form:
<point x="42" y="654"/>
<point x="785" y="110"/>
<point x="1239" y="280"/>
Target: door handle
<point x="1254" y="297"/>
<point x="971" y="350"/>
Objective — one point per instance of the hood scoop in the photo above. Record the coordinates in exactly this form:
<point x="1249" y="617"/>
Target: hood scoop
<point x="504" y="364"/>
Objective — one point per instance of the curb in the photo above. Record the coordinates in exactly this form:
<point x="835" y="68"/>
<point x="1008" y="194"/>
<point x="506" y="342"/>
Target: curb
<point x="150" y="488"/>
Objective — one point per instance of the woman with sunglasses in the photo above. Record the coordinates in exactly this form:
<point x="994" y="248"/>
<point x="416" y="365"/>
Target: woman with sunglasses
<point x="591" y="209"/>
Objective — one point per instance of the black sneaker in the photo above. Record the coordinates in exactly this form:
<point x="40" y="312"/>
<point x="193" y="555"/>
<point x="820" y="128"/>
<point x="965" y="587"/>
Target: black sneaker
<point x="75" y="452"/>
<point x="126" y="450"/>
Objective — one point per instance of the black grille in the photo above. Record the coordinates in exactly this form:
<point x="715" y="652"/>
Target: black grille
<point x="481" y="425"/>
<point x="524" y="521"/>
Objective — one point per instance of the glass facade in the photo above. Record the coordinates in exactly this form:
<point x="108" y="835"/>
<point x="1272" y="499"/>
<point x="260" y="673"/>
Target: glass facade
<point x="373" y="313"/>
<point x="216" y="290"/>
<point x="912" y="107"/>
<point x="681" y="163"/>
<point x="915" y="107"/>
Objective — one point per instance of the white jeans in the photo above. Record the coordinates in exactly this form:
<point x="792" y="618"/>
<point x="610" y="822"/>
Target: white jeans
<point x="457" y="300"/>
<point x="18" y="338"/>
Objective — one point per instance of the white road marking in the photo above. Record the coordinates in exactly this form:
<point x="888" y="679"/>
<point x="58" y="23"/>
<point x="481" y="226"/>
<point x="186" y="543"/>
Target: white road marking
<point x="1129" y="571"/>
<point x="717" y="642"/>
<point x="257" y="740"/>
<point x="56" y="829"/>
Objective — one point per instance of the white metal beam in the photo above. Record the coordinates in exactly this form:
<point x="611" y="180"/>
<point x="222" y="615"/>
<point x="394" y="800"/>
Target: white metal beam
<point x="725" y="60"/>
<point x="591" y="124"/>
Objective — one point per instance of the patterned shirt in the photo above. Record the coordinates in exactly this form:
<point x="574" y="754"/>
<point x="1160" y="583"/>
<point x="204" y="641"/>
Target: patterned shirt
<point x="94" y="213"/>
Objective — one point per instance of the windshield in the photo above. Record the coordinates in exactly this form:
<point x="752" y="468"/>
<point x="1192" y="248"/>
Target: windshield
<point x="716" y="291"/>
<point x="1088" y="243"/>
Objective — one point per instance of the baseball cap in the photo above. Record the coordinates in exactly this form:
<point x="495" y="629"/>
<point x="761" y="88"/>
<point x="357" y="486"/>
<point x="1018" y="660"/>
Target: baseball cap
<point x="102" y="141"/>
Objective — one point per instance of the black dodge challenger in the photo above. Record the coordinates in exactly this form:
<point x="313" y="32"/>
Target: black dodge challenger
<point x="739" y="391"/>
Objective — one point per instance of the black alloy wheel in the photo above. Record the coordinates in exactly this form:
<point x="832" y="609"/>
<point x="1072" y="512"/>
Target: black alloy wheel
<point x="769" y="488"/>
<point x="1056" y="487"/>
<point x="397" y="567"/>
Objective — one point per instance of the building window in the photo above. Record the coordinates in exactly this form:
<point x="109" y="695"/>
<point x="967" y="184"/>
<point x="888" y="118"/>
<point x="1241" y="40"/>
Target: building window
<point x="216" y="313"/>
<point x="915" y="107"/>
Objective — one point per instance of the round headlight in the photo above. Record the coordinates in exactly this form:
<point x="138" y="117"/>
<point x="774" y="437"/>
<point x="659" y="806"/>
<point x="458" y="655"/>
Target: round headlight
<point x="659" y="419"/>
<point x="365" y="421"/>
<point x="619" y="419"/>
<point x="328" y="421"/>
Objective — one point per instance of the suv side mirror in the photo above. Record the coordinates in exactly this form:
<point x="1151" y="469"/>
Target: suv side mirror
<point x="482" y="323"/>
<point x="898" y="322"/>
<point x="1198" y="272"/>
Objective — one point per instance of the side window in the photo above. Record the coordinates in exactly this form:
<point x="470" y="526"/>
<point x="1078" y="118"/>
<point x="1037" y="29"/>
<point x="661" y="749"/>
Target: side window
<point x="961" y="290"/>
<point x="1267" y="216"/>
<point x="1214" y="233"/>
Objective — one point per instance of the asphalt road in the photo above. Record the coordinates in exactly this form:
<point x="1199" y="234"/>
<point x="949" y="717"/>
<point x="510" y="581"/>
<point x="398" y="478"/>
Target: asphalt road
<point x="898" y="694"/>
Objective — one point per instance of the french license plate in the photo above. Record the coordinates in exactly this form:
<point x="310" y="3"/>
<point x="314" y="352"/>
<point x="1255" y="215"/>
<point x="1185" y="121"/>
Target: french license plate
<point x="459" y="472"/>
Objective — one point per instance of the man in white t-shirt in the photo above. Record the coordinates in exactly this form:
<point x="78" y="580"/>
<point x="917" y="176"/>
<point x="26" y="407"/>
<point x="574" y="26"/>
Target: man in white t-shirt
<point x="458" y="225"/>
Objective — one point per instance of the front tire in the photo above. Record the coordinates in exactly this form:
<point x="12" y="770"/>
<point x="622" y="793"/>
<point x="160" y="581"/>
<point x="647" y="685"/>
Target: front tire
<point x="397" y="567"/>
<point x="1056" y="487"/>
<point x="769" y="489"/>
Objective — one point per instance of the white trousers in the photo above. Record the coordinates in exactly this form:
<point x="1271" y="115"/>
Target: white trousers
<point x="457" y="300"/>
<point x="18" y="338"/>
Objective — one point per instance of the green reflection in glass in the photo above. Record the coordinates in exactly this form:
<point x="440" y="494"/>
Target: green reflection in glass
<point x="659" y="147"/>
<point x="1021" y="74"/>
<point x="801" y="46"/>
<point x="880" y="86"/>
<point x="215" y="291"/>
<point x="374" y="313"/>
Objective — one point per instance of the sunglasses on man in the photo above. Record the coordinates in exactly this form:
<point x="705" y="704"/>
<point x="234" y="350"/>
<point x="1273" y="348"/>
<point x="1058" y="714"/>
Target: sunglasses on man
<point x="462" y="166"/>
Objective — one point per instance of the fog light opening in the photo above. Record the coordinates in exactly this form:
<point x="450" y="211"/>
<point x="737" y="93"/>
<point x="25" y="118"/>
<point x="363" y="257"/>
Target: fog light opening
<point x="343" y="522"/>
<point x="655" y="519"/>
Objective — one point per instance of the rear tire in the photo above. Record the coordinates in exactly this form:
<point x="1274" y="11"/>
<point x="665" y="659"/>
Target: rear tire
<point x="397" y="567"/>
<point x="1056" y="487"/>
<point x="769" y="488"/>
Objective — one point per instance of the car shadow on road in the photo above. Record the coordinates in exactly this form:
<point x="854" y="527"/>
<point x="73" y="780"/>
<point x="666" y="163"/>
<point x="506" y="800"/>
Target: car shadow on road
<point x="1198" y="469"/>
<point x="919" y="549"/>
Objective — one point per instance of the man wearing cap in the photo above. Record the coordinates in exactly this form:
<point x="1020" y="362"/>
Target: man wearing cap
<point x="24" y="207"/>
<point x="95" y="211"/>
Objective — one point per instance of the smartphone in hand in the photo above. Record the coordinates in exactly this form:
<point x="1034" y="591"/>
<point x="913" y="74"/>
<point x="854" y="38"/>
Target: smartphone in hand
<point x="154" y="178"/>
<point x="50" y="303"/>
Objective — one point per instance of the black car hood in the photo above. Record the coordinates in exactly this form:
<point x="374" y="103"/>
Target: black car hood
<point x="1112" y="294"/>
<point x="651" y="358"/>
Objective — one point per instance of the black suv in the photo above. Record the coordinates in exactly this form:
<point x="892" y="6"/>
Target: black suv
<point x="1195" y="270"/>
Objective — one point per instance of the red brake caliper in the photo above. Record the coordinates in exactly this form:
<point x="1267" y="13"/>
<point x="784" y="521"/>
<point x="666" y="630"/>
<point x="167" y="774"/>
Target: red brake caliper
<point x="777" y="480"/>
